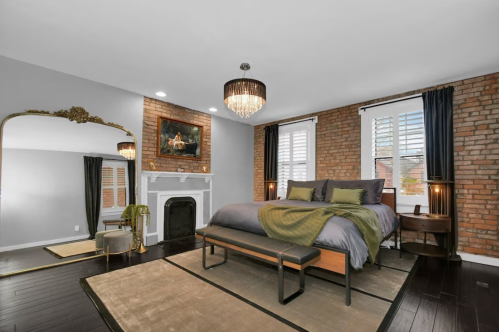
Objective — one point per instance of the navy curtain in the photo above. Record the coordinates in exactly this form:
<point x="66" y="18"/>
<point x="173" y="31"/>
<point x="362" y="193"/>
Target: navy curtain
<point x="131" y="181"/>
<point x="439" y="131"/>
<point x="270" y="161"/>
<point x="93" y="182"/>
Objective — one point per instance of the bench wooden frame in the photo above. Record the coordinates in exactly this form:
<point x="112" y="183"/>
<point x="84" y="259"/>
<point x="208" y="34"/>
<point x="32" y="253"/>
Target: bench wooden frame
<point x="331" y="259"/>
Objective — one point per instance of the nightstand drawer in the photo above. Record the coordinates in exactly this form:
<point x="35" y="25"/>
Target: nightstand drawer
<point x="425" y="224"/>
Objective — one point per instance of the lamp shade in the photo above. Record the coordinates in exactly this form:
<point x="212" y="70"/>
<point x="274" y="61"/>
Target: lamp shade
<point x="127" y="150"/>
<point x="245" y="96"/>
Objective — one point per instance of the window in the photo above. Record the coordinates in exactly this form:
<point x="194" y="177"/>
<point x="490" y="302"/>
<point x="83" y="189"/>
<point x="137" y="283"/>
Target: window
<point x="393" y="148"/>
<point x="296" y="154"/>
<point x="114" y="197"/>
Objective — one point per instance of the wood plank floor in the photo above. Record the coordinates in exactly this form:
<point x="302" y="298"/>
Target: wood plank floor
<point x="441" y="298"/>
<point x="437" y="298"/>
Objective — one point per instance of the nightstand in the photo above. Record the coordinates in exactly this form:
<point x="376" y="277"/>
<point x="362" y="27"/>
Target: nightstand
<point x="426" y="224"/>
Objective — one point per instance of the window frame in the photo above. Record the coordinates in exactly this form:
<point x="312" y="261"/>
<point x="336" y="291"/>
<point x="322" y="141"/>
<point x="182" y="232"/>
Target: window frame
<point x="394" y="109"/>
<point x="310" y="126"/>
<point x="115" y="164"/>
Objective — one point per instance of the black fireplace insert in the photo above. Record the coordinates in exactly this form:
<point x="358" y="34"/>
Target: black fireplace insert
<point x="180" y="218"/>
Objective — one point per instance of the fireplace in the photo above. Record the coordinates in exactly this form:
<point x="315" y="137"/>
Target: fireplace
<point x="179" y="218"/>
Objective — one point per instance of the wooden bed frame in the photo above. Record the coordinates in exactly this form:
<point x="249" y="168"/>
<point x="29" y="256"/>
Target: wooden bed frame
<point x="338" y="260"/>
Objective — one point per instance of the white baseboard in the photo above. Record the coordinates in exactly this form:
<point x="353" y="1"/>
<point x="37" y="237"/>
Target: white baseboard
<point x="43" y="243"/>
<point x="479" y="259"/>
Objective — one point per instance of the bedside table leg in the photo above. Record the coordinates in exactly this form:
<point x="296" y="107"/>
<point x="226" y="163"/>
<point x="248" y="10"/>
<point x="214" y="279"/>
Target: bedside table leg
<point x="400" y="247"/>
<point x="396" y="240"/>
<point x="448" y="247"/>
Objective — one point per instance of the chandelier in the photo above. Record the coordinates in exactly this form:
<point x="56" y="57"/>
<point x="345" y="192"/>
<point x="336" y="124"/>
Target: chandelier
<point x="245" y="96"/>
<point x="127" y="149"/>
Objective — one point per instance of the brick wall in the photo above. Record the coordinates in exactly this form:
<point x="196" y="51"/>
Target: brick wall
<point x="476" y="142"/>
<point x="152" y="110"/>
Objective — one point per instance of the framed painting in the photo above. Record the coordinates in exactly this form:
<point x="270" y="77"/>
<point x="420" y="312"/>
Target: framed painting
<point x="178" y="139"/>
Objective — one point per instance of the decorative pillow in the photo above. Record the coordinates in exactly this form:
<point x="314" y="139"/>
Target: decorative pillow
<point x="320" y="188"/>
<point x="372" y="189"/>
<point x="301" y="194"/>
<point x="347" y="196"/>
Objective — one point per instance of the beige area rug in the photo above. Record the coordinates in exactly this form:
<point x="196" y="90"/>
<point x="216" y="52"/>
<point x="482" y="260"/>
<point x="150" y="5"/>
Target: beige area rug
<point x="157" y="296"/>
<point x="72" y="249"/>
<point x="182" y="296"/>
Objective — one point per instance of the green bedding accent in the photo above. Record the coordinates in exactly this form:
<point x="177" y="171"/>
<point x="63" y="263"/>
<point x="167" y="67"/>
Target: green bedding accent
<point x="302" y="225"/>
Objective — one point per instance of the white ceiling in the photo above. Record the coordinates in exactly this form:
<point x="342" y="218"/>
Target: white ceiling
<point x="312" y="55"/>
<point x="59" y="134"/>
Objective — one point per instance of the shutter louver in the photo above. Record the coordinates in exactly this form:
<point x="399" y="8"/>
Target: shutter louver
<point x="108" y="187"/>
<point x="382" y="144"/>
<point x="293" y="158"/>
<point x="411" y="145"/>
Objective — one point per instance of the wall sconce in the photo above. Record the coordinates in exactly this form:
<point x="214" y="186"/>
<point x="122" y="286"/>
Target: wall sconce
<point x="439" y="198"/>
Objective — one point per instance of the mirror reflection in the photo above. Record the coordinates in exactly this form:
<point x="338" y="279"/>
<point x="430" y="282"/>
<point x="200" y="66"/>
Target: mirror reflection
<point x="49" y="189"/>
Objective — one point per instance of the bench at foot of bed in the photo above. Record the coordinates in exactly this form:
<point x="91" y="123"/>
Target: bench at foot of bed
<point x="276" y="252"/>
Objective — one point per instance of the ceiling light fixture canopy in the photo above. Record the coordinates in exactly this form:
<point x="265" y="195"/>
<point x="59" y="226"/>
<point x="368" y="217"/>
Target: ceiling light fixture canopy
<point x="127" y="149"/>
<point x="245" y="96"/>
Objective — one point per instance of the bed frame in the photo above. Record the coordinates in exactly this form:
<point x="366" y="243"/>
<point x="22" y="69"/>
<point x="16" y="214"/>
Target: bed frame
<point x="338" y="260"/>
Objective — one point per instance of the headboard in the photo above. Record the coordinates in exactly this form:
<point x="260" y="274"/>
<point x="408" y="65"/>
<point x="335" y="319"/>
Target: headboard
<point x="389" y="197"/>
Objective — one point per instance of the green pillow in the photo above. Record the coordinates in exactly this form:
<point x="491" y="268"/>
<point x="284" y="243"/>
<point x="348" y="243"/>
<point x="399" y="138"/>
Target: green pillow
<point x="347" y="196"/>
<point x="301" y="194"/>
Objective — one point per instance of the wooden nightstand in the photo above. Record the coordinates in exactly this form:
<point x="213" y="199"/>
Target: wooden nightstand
<point x="423" y="223"/>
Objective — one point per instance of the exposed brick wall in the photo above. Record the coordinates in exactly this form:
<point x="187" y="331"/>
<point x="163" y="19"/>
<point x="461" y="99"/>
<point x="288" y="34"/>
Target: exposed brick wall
<point x="152" y="110"/>
<point x="476" y="143"/>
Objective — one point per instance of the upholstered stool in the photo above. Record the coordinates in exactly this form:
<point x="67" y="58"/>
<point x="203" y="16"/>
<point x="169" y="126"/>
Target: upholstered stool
<point x="99" y="238"/>
<point x="118" y="243"/>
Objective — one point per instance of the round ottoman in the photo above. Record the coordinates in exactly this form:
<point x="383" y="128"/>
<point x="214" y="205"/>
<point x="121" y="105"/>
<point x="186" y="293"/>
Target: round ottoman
<point x="99" y="238"/>
<point x="118" y="243"/>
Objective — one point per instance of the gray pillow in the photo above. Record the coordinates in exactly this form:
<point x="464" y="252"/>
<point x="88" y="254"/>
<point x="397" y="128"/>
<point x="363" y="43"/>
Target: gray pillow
<point x="320" y="188"/>
<point x="372" y="189"/>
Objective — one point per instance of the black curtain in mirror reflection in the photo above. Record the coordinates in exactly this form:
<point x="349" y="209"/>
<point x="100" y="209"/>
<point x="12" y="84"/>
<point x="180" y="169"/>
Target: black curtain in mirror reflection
<point x="93" y="182"/>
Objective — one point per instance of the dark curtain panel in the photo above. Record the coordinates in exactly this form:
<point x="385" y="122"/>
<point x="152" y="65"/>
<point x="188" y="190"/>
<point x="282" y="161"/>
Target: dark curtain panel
<point x="131" y="181"/>
<point x="93" y="181"/>
<point x="270" y="161"/>
<point x="439" y="131"/>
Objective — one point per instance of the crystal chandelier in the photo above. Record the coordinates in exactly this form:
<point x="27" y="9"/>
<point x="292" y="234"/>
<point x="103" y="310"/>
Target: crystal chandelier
<point x="245" y="96"/>
<point x="127" y="149"/>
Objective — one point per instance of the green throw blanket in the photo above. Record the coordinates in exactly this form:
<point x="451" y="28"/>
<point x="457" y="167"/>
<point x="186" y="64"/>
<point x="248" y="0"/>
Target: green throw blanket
<point x="302" y="225"/>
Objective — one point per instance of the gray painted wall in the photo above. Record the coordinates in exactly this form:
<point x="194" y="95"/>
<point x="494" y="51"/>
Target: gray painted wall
<point x="24" y="86"/>
<point x="232" y="162"/>
<point x="43" y="196"/>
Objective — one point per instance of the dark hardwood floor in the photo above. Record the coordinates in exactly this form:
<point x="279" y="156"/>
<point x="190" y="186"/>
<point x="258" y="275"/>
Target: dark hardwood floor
<point x="436" y="299"/>
<point x="21" y="259"/>
<point x="462" y="297"/>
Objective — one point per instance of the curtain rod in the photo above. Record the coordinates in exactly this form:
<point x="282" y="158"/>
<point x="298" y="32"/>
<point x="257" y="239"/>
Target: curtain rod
<point x="391" y="101"/>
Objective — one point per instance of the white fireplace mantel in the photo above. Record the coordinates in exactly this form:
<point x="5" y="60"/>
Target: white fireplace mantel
<point x="182" y="176"/>
<point x="162" y="192"/>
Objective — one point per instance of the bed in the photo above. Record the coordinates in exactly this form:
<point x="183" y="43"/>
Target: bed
<point x="340" y="241"/>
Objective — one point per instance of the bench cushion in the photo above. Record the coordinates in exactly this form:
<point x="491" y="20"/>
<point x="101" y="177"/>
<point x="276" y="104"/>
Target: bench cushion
<point x="298" y="254"/>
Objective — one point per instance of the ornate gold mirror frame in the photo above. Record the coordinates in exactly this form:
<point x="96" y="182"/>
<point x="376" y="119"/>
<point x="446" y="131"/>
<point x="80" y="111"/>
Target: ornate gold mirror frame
<point x="78" y="115"/>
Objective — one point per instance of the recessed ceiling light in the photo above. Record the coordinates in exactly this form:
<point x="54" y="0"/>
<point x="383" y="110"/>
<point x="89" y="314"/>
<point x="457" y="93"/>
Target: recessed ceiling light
<point x="160" y="94"/>
<point x="213" y="109"/>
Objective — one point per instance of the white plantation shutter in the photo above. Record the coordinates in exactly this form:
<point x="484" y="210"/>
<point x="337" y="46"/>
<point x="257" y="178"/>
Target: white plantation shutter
<point x="296" y="155"/>
<point x="393" y="148"/>
<point x="115" y="193"/>
<point x="411" y="153"/>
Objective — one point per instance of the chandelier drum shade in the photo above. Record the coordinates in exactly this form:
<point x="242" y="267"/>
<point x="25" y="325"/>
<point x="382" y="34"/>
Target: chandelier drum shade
<point x="127" y="150"/>
<point x="245" y="96"/>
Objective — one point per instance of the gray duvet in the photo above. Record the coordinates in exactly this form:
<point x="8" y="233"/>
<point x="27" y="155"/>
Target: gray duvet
<point x="338" y="232"/>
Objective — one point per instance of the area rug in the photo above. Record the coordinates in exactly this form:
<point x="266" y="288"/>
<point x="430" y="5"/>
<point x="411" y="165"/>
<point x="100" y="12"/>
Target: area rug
<point x="72" y="249"/>
<point x="177" y="294"/>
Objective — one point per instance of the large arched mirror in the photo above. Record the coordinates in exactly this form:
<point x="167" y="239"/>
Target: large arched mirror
<point x="48" y="213"/>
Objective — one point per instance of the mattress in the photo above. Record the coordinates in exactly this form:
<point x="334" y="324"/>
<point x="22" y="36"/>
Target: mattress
<point x="338" y="232"/>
